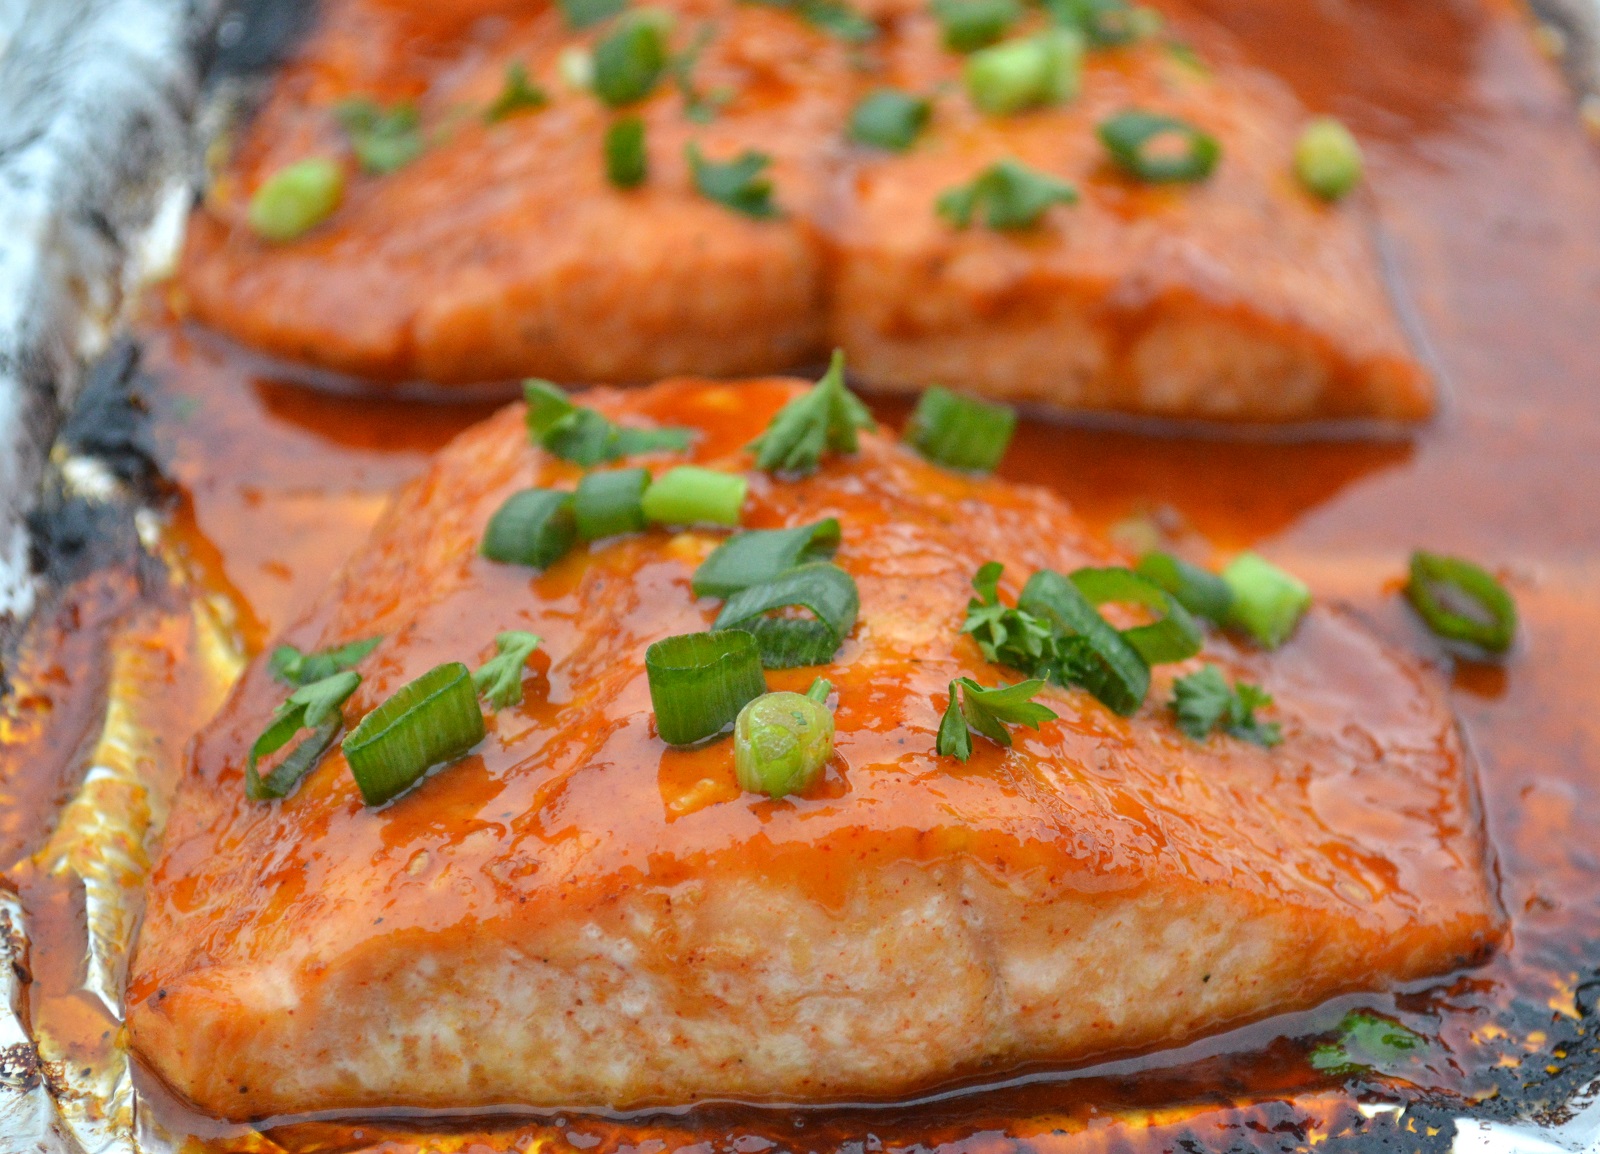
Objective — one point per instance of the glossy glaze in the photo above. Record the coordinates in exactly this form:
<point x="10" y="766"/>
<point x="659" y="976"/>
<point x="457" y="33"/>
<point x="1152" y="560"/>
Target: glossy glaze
<point x="1488" y="193"/>
<point x="502" y="251"/>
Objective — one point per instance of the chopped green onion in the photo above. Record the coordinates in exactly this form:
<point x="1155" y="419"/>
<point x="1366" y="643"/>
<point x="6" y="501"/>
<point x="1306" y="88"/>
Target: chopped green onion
<point x="383" y="139"/>
<point x="315" y="707"/>
<point x="1099" y="658"/>
<point x="826" y="417"/>
<point x="581" y="14"/>
<point x="295" y="199"/>
<point x="700" y="681"/>
<point x="1173" y="638"/>
<point x="690" y="495"/>
<point x="534" y="527"/>
<point x="968" y="25"/>
<point x="1267" y="602"/>
<point x="1018" y="74"/>
<point x="1459" y="601"/>
<point x="961" y="432"/>
<point x="834" y="17"/>
<point x="500" y="678"/>
<point x="1204" y="701"/>
<point x="736" y="184"/>
<point x="626" y="162"/>
<point x="611" y="503"/>
<point x="629" y="62"/>
<point x="585" y="437"/>
<point x="1365" y="1042"/>
<point x="1007" y="194"/>
<point x="760" y="555"/>
<point x="1106" y="23"/>
<point x="518" y="94"/>
<point x="293" y="667"/>
<point x="821" y="587"/>
<point x="782" y="741"/>
<point x="1199" y="591"/>
<point x="1159" y="149"/>
<point x="575" y="66"/>
<point x="1327" y="159"/>
<point x="890" y="119"/>
<point x="427" y="722"/>
<point x="988" y="712"/>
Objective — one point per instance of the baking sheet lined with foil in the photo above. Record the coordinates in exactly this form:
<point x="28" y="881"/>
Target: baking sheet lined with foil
<point x="196" y="499"/>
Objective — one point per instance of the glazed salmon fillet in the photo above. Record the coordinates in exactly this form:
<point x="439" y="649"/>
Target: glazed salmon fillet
<point x="576" y="914"/>
<point x="502" y="251"/>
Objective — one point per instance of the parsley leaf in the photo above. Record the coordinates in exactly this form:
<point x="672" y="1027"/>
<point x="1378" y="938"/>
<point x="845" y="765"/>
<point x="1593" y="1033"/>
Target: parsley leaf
<point x="825" y="418"/>
<point x="1007" y="636"/>
<point x="988" y="712"/>
<point x="836" y="18"/>
<point x="1204" y="701"/>
<point x="316" y="707"/>
<point x="585" y="437"/>
<point x="889" y="119"/>
<point x="581" y="14"/>
<point x="1365" y="1041"/>
<point x="293" y="667"/>
<point x="736" y="184"/>
<point x="383" y="139"/>
<point x="1007" y="195"/>
<point x="699" y="107"/>
<point x="517" y="95"/>
<point x="500" y="678"/>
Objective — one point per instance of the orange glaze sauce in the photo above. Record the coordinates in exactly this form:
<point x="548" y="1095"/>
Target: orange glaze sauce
<point x="1490" y="198"/>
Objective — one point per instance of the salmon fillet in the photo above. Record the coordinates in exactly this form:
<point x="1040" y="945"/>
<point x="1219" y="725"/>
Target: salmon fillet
<point x="577" y="915"/>
<point x="502" y="251"/>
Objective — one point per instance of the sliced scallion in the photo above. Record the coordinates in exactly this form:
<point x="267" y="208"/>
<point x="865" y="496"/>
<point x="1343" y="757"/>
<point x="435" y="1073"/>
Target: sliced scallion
<point x="1327" y="159"/>
<point x="1198" y="590"/>
<point x="760" y="555"/>
<point x="821" y="588"/>
<point x="782" y="741"/>
<point x="1099" y="658"/>
<point x="1267" y="602"/>
<point x="700" y="681"/>
<point x="967" y="25"/>
<point x="295" y="199"/>
<point x="1460" y="601"/>
<point x="534" y="527"/>
<point x="610" y="503"/>
<point x="1009" y="77"/>
<point x="316" y="707"/>
<point x="629" y="62"/>
<point x="626" y="161"/>
<point x="960" y="432"/>
<point x="500" y="678"/>
<point x="1175" y="637"/>
<point x="581" y="14"/>
<point x="1159" y="149"/>
<point x="690" y="495"/>
<point x="427" y="722"/>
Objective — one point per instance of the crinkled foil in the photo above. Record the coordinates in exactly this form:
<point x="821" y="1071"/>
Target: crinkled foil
<point x="98" y="105"/>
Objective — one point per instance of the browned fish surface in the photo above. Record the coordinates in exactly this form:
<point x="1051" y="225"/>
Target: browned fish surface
<point x="502" y="251"/>
<point x="577" y="915"/>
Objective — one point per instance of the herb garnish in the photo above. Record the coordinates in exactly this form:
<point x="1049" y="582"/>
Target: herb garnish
<point x="988" y="712"/>
<point x="737" y="183"/>
<point x="1204" y="701"/>
<point x="383" y="139"/>
<point x="292" y="667"/>
<point x="1007" y="195"/>
<point x="825" y="417"/>
<point x="518" y="94"/>
<point x="500" y="678"/>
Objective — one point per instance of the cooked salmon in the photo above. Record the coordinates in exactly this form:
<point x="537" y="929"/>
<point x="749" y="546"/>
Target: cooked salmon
<point x="577" y="915"/>
<point x="502" y="250"/>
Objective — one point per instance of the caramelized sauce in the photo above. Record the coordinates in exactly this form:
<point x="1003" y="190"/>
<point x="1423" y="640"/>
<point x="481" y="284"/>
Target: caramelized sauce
<point x="1490" y="199"/>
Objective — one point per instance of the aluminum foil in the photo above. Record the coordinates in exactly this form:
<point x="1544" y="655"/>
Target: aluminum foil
<point x="102" y="124"/>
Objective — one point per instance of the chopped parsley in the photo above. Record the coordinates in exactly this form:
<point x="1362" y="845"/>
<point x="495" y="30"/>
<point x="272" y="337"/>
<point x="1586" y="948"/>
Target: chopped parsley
<point x="974" y="709"/>
<point x="292" y="667"/>
<point x="1204" y="701"/>
<point x="1006" y="195"/>
<point x="825" y="418"/>
<point x="585" y="437"/>
<point x="383" y="139"/>
<point x="500" y="678"/>
<point x="737" y="183"/>
<point x="517" y="94"/>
